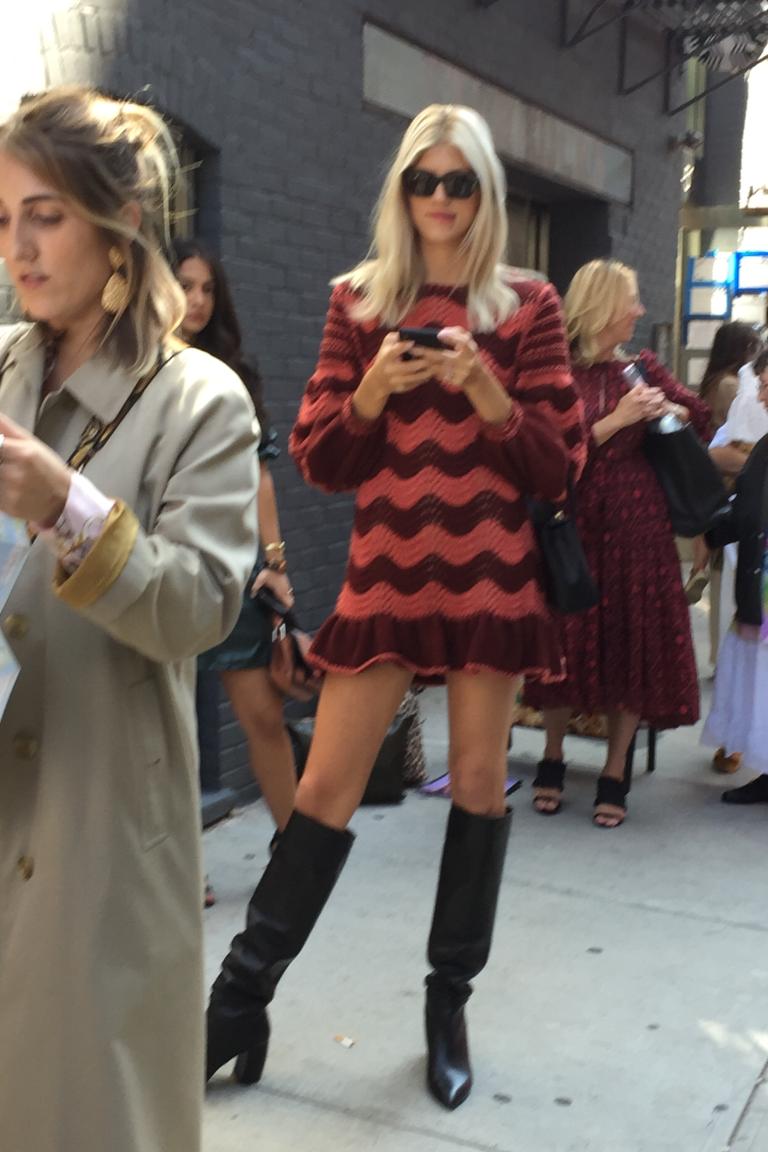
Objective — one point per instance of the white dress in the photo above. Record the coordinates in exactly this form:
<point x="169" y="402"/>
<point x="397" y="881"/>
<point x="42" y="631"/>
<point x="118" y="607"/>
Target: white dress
<point x="738" y="719"/>
<point x="747" y="422"/>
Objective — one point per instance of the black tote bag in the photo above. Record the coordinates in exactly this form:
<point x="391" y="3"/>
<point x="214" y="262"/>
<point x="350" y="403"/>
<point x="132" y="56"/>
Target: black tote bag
<point x="692" y="486"/>
<point x="568" y="583"/>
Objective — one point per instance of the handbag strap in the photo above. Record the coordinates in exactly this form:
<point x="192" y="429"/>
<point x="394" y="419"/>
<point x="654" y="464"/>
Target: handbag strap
<point x="96" y="434"/>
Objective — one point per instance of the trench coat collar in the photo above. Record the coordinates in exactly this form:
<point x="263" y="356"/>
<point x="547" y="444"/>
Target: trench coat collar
<point x="100" y="386"/>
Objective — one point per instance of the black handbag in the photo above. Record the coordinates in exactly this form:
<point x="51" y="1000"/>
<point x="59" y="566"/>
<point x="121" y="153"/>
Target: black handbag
<point x="386" y="782"/>
<point x="692" y="486"/>
<point x="568" y="583"/>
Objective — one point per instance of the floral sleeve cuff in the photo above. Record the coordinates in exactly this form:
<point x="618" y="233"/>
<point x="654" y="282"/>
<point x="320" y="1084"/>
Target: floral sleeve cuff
<point x="80" y="524"/>
<point x="104" y="562"/>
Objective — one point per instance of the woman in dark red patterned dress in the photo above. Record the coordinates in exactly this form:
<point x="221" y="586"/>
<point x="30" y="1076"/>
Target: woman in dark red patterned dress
<point x="441" y="445"/>
<point x="631" y="657"/>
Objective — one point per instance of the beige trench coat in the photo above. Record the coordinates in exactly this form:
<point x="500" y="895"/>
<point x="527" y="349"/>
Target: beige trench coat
<point x="101" y="997"/>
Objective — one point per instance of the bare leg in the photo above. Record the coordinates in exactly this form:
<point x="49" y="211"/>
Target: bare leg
<point x="480" y="710"/>
<point x="547" y="800"/>
<point x="352" y="718"/>
<point x="555" y="727"/>
<point x="353" y="715"/>
<point x="259" y="711"/>
<point x="622" y="727"/>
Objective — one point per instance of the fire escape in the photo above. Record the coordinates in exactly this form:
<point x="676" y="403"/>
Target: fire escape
<point x="728" y="37"/>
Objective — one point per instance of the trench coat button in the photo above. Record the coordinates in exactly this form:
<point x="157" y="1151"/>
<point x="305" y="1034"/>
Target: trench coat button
<point x="25" y="866"/>
<point x="25" y="745"/>
<point x="16" y="626"/>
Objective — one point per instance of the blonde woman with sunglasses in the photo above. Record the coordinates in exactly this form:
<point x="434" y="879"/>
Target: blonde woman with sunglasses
<point x="441" y="435"/>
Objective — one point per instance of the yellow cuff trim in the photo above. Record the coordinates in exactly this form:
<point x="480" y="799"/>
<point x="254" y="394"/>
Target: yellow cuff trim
<point x="103" y="564"/>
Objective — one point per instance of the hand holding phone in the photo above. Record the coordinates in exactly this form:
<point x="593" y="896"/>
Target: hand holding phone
<point x="394" y="370"/>
<point x="422" y="338"/>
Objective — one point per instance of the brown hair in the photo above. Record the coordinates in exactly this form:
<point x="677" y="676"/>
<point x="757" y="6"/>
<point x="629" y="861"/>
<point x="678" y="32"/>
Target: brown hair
<point x="734" y="345"/>
<point x="221" y="336"/>
<point x="103" y="155"/>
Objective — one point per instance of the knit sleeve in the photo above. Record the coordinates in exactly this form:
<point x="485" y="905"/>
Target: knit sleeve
<point x="544" y="436"/>
<point x="659" y="377"/>
<point x="334" y="448"/>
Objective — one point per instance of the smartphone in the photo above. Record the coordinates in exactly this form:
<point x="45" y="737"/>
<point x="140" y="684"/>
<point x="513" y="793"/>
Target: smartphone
<point x="424" y="337"/>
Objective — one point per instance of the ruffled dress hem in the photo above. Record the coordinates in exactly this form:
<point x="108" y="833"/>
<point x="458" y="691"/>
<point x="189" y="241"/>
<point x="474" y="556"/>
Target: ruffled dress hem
<point x="432" y="647"/>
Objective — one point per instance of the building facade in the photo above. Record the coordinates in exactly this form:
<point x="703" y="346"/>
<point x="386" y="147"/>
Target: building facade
<point x="288" y="112"/>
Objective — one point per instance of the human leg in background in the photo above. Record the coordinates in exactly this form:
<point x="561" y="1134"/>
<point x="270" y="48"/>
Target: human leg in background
<point x="548" y="785"/>
<point x="610" y="806"/>
<point x="480" y="709"/>
<point x="353" y="715"/>
<point x="259" y="711"/>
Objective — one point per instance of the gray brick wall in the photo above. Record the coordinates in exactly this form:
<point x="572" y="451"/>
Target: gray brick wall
<point x="275" y="86"/>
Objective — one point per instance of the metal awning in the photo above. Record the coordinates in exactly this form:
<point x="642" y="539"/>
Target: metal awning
<point x="729" y="36"/>
<point x="725" y="36"/>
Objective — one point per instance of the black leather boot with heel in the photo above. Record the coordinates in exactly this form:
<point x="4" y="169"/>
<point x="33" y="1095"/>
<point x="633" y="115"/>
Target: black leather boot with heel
<point x="460" y="943"/>
<point x="281" y="914"/>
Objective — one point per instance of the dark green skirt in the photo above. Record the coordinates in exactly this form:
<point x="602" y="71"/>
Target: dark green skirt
<point x="249" y="644"/>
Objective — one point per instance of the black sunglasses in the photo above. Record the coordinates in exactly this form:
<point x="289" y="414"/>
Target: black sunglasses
<point x="459" y="185"/>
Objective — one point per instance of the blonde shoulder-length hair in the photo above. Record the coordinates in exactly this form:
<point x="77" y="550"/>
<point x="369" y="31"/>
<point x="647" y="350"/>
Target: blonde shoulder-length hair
<point x="393" y="272"/>
<point x="103" y="156"/>
<point x="596" y="297"/>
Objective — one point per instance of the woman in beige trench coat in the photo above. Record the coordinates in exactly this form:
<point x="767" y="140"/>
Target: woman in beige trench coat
<point x="138" y="565"/>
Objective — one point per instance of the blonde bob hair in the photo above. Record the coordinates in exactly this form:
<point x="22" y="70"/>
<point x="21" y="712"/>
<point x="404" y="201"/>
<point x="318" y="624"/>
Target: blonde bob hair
<point x="393" y="271"/>
<point x="103" y="155"/>
<point x="598" y="294"/>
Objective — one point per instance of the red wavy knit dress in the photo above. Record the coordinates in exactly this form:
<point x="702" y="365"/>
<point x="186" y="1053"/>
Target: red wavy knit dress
<point x="443" y="571"/>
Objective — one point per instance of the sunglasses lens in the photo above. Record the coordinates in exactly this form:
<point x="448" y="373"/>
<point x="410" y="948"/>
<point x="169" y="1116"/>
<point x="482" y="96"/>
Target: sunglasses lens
<point x="417" y="182"/>
<point x="460" y="185"/>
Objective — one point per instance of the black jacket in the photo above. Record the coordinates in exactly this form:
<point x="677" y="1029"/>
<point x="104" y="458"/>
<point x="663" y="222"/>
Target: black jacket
<point x="746" y="520"/>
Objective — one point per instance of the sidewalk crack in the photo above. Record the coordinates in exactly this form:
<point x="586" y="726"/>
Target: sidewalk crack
<point x="760" y="1082"/>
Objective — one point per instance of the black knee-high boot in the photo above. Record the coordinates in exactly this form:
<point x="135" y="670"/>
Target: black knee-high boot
<point x="459" y="943"/>
<point x="281" y="914"/>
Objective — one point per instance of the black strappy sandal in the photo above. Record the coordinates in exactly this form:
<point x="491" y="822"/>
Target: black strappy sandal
<point x="613" y="792"/>
<point x="550" y="774"/>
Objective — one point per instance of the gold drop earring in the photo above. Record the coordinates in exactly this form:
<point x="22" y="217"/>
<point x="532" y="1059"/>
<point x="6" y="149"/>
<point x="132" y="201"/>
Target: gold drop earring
<point x="115" y="296"/>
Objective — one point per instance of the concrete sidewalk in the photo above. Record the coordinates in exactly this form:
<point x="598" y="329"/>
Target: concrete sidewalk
<point x="625" y="1007"/>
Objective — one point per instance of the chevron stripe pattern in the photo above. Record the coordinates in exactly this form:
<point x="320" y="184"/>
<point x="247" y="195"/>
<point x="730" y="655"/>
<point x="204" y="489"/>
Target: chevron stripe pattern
<point x="443" y="571"/>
